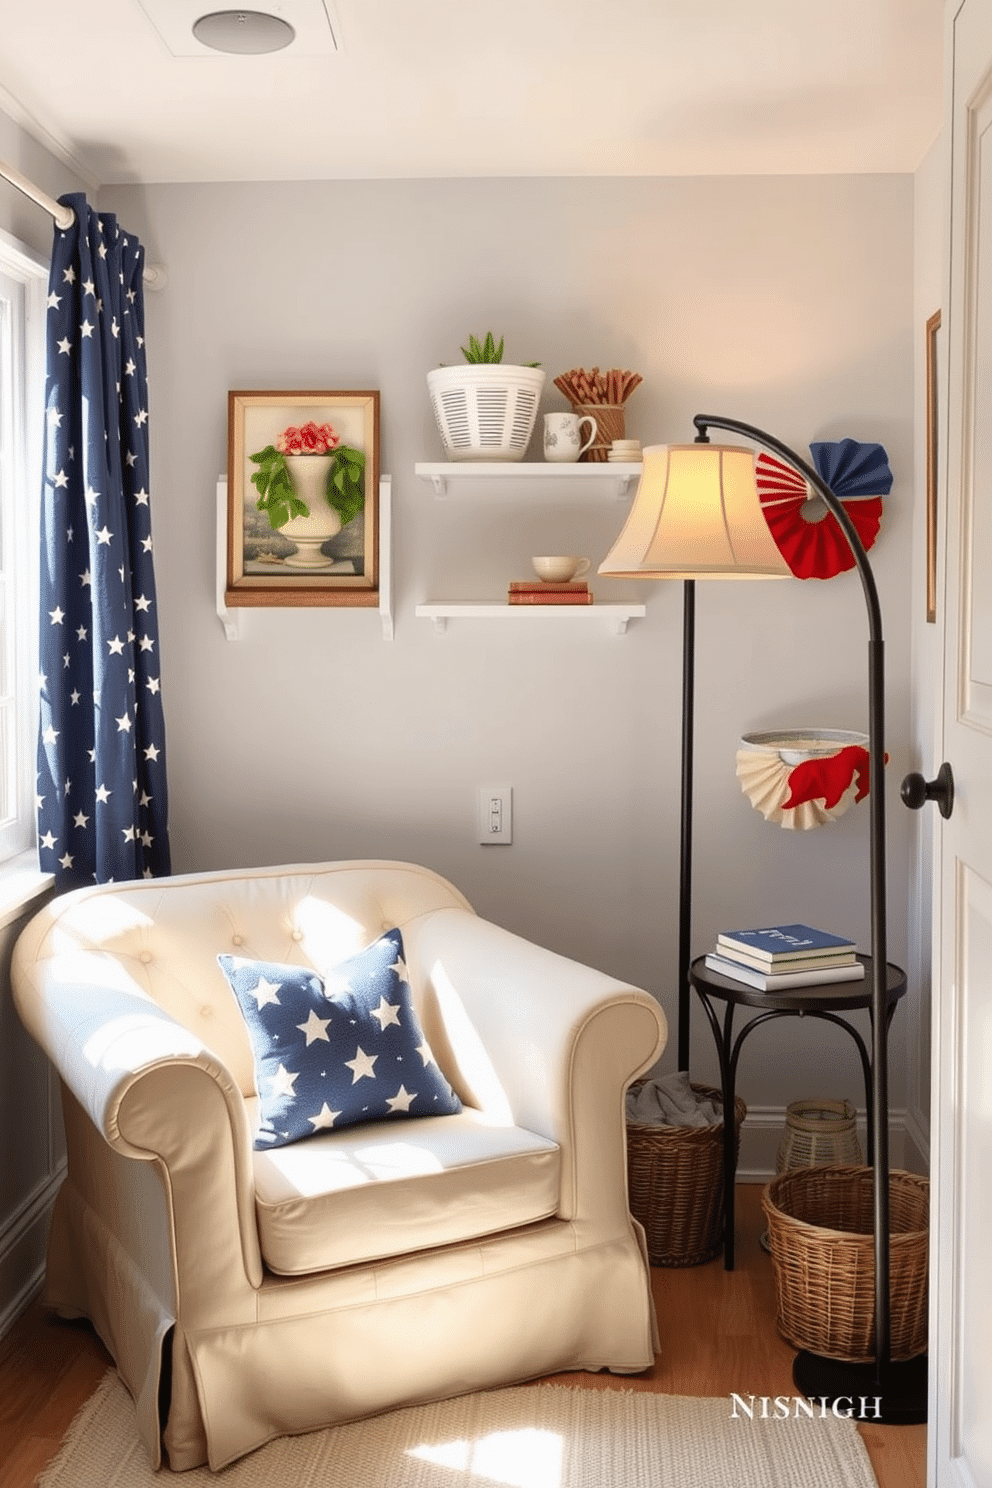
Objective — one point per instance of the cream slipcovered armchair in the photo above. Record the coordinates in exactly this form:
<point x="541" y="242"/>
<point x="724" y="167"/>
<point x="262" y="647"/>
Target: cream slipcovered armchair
<point x="249" y="1293"/>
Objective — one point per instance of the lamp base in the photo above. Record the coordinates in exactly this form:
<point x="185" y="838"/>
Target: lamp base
<point x="893" y="1396"/>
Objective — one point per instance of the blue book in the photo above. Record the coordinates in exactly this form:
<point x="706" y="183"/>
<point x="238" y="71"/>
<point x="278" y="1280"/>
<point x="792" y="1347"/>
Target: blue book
<point x="777" y="944"/>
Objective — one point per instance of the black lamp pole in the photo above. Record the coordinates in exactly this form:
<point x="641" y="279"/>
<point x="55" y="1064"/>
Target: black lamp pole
<point x="685" y="849"/>
<point x="901" y="1386"/>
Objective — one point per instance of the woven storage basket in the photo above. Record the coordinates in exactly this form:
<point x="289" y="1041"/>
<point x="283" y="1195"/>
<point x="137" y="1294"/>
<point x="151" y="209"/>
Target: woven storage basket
<point x="485" y="411"/>
<point x="820" y="1227"/>
<point x="675" y="1180"/>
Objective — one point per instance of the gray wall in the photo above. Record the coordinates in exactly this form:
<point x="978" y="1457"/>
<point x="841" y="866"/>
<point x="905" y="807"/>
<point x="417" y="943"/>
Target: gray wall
<point x="18" y="215"/>
<point x="788" y="302"/>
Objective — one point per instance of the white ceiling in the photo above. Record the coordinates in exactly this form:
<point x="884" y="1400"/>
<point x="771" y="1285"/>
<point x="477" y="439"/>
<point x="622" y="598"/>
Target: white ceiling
<point x="407" y="88"/>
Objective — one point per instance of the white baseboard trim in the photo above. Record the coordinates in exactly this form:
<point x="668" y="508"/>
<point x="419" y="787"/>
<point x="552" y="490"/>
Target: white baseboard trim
<point x="917" y="1143"/>
<point x="762" y="1132"/>
<point x="23" y="1240"/>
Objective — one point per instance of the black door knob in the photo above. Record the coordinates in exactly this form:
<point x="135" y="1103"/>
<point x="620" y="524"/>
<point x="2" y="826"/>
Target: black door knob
<point x="916" y="791"/>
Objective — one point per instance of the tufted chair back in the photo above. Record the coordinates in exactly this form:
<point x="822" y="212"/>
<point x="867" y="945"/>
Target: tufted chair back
<point x="159" y="941"/>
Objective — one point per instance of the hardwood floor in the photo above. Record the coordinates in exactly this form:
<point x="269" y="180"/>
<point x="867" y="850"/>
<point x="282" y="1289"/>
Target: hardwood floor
<point x="717" y="1329"/>
<point x="48" y="1368"/>
<point x="718" y="1335"/>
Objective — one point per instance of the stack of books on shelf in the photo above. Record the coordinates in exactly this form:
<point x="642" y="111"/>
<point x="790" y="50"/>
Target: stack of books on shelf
<point x="777" y="958"/>
<point x="540" y="592"/>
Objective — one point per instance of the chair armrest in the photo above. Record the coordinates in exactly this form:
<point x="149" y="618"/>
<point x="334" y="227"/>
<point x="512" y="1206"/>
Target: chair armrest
<point x="152" y="1090"/>
<point x="538" y="1040"/>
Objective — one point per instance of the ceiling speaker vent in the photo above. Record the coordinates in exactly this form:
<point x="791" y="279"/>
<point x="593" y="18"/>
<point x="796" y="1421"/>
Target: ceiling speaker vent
<point x="243" y="31"/>
<point x="187" y="31"/>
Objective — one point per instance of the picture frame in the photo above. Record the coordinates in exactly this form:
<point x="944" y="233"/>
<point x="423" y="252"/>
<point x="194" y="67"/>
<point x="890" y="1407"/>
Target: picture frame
<point x="932" y="426"/>
<point x="329" y="555"/>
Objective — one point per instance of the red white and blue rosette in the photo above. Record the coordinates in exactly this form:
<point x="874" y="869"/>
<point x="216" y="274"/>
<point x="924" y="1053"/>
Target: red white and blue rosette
<point x="807" y="535"/>
<point x="803" y="778"/>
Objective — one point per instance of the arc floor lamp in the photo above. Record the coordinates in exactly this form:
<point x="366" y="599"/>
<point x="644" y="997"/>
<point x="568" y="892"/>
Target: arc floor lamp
<point x="697" y="515"/>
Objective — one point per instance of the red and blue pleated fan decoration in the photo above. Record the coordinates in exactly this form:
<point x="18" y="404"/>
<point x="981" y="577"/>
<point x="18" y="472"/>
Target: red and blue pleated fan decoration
<point x="807" y="535"/>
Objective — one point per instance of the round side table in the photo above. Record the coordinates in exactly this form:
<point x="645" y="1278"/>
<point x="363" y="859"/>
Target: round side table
<point x="826" y="1001"/>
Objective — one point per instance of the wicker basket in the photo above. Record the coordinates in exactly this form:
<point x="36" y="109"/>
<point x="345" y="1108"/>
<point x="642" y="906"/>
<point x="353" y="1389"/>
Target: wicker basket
<point x="675" y="1179"/>
<point x="820" y="1226"/>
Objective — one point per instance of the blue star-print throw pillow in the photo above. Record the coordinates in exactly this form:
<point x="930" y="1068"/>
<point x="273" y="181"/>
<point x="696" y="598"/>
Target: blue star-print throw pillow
<point x="336" y="1052"/>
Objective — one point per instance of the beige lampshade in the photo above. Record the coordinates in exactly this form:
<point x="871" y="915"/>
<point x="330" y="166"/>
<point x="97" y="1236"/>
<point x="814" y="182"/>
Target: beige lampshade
<point x="696" y="515"/>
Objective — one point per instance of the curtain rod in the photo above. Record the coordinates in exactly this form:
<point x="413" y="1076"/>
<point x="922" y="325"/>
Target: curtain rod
<point x="153" y="275"/>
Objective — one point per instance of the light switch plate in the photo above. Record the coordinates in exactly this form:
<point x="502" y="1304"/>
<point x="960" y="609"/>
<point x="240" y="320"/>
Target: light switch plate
<point x="496" y="814"/>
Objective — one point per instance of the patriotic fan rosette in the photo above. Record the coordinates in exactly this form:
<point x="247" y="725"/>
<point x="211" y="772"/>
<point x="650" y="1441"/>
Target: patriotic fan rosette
<point x="807" y="535"/>
<point x="803" y="778"/>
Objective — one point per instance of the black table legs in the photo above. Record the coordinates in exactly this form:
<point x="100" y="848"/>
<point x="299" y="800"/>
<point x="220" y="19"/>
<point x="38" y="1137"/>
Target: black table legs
<point x="728" y="1053"/>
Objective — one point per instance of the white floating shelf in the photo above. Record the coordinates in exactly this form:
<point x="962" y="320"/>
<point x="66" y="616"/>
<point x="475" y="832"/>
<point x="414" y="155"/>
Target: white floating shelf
<point x="514" y="477"/>
<point x="615" y="617"/>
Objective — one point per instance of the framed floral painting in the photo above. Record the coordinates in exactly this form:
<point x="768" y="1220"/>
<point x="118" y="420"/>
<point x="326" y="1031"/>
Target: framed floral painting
<point x="302" y="498"/>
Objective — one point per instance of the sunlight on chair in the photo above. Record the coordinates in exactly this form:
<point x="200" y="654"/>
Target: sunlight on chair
<point x="474" y="1063"/>
<point x="329" y="934"/>
<point x="101" y="969"/>
<point x="396" y="1160"/>
<point x="130" y="1041"/>
<point x="526" y="1458"/>
<point x="96" y="920"/>
<point x="322" y="1165"/>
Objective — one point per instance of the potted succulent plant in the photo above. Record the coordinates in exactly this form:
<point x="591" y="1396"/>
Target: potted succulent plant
<point x="309" y="485"/>
<point x="485" y="408"/>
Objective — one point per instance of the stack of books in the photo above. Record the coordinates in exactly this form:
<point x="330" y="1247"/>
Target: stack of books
<point x="779" y="957"/>
<point x="538" y="592"/>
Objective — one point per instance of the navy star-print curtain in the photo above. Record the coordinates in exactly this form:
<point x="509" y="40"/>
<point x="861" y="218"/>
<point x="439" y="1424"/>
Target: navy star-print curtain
<point x="102" y="806"/>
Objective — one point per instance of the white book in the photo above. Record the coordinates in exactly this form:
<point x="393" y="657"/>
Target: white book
<point x="783" y="981"/>
<point x="789" y="963"/>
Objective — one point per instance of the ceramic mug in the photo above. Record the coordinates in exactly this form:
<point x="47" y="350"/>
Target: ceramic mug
<point x="563" y="435"/>
<point x="559" y="569"/>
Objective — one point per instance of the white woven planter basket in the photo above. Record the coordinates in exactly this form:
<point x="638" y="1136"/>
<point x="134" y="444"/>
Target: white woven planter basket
<point x="485" y="411"/>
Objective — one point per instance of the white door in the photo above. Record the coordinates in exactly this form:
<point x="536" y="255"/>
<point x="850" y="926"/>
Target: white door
<point x="960" y="1434"/>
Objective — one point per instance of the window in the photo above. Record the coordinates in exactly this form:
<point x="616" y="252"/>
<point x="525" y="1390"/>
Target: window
<point x="22" y="384"/>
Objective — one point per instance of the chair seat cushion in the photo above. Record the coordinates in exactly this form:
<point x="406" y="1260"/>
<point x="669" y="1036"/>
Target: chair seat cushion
<point x="368" y="1192"/>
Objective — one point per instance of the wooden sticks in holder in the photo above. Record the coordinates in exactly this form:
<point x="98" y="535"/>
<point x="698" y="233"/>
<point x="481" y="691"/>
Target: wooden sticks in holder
<point x="601" y="396"/>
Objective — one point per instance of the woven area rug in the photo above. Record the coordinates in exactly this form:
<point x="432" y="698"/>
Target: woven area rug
<point x="536" y="1436"/>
